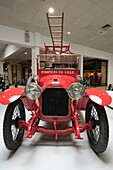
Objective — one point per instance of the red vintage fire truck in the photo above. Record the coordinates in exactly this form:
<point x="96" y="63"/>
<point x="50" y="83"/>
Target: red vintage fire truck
<point x="57" y="95"/>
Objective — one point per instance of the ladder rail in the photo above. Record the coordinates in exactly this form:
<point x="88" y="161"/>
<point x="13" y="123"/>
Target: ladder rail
<point x="56" y="34"/>
<point x="50" y="30"/>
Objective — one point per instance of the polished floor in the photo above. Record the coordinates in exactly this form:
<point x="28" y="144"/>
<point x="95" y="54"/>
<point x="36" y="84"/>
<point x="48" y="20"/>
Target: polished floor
<point x="43" y="153"/>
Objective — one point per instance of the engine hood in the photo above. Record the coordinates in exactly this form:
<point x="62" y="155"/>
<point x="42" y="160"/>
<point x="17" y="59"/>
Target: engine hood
<point x="56" y="81"/>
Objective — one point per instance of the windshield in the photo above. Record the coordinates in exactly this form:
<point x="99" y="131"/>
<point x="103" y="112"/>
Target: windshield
<point x="57" y="62"/>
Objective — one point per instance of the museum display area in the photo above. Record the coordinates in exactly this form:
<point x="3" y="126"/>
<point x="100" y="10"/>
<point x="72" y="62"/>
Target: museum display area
<point x="56" y="103"/>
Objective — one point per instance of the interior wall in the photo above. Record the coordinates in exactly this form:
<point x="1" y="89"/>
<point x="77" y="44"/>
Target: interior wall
<point x="15" y="36"/>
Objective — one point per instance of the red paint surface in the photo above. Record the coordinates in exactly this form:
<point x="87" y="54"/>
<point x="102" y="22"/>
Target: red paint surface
<point x="68" y="72"/>
<point x="102" y="94"/>
<point x="11" y="92"/>
<point x="63" y="81"/>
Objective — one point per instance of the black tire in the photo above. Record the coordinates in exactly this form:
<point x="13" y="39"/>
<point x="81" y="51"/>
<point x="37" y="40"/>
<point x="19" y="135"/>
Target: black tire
<point x="12" y="135"/>
<point x="99" y="135"/>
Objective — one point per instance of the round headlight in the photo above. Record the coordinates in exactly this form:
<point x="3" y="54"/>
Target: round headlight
<point x="76" y="91"/>
<point x="33" y="91"/>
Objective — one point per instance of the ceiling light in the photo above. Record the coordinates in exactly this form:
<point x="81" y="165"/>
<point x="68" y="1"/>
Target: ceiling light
<point x="25" y="53"/>
<point x="68" y="33"/>
<point x="51" y="10"/>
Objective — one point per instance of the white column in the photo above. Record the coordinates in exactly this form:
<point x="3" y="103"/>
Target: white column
<point x="103" y="73"/>
<point x="81" y="65"/>
<point x="35" y="52"/>
<point x="1" y="67"/>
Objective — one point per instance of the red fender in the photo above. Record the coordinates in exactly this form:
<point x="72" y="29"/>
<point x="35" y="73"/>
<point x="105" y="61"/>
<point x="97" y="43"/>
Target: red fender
<point x="99" y="96"/>
<point x="10" y="95"/>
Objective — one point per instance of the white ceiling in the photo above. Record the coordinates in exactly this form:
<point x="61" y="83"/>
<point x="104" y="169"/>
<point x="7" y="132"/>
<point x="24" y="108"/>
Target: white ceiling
<point x="83" y="18"/>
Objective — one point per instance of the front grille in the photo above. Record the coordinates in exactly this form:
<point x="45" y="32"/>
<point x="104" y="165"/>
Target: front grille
<point x="55" y="102"/>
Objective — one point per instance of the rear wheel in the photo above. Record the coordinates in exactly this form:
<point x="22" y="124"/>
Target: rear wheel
<point x="11" y="133"/>
<point x="98" y="136"/>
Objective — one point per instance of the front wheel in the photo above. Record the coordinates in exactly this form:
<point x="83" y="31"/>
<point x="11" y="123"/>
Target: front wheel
<point x="11" y="133"/>
<point x="99" y="134"/>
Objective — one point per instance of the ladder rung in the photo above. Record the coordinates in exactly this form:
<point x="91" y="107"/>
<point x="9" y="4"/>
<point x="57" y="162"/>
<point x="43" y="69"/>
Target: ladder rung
<point x="55" y="25"/>
<point x="54" y="17"/>
<point x="56" y="36"/>
<point x="56" y="32"/>
<point x="57" y="46"/>
<point x="57" y="40"/>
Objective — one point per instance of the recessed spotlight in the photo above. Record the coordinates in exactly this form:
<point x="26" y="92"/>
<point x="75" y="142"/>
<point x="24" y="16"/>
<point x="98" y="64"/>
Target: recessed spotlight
<point x="68" y="33"/>
<point x="51" y="10"/>
<point x="25" y="53"/>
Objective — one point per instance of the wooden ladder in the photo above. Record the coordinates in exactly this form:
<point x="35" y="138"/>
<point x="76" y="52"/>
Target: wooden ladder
<point x="55" y="24"/>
